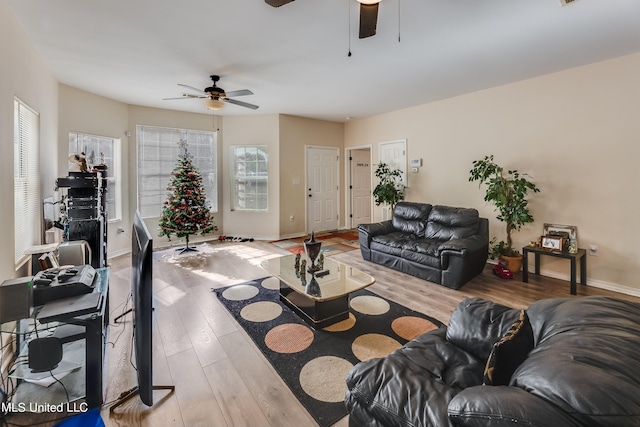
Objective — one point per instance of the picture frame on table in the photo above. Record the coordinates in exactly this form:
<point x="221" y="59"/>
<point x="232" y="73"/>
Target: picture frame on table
<point x="567" y="232"/>
<point x="554" y="243"/>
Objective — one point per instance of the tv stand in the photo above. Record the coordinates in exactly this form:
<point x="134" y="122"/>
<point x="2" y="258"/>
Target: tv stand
<point x="129" y="394"/>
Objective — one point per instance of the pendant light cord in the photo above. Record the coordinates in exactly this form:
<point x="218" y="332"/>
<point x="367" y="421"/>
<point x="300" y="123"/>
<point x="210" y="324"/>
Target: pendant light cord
<point x="399" y="20"/>
<point x="349" y="27"/>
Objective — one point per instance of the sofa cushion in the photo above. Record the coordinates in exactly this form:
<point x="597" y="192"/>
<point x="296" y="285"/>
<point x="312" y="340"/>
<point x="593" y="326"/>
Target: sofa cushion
<point x="505" y="407"/>
<point x="508" y="353"/>
<point x="392" y="243"/>
<point x="476" y="324"/>
<point x="411" y="217"/>
<point x="446" y="223"/>
<point x="585" y="361"/>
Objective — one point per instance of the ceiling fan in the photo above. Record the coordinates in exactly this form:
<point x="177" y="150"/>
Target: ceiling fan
<point x="368" y="15"/>
<point x="215" y="97"/>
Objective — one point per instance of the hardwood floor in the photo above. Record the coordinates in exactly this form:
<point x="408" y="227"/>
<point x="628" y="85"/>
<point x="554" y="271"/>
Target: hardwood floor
<point x="221" y="378"/>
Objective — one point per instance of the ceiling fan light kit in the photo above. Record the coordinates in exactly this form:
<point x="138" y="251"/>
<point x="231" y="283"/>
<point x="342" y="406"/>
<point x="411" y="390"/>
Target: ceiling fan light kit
<point x="214" y="104"/>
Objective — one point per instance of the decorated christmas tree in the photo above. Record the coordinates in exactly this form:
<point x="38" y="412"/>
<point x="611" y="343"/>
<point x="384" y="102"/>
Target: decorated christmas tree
<point x="186" y="210"/>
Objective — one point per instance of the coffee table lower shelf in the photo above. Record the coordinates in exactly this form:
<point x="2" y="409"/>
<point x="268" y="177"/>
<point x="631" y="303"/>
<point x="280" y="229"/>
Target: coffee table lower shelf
<point x="317" y="314"/>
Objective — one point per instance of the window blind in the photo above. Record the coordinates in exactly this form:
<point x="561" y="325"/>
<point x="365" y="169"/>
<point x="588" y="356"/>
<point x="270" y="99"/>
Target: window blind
<point x="26" y="136"/>
<point x="157" y="157"/>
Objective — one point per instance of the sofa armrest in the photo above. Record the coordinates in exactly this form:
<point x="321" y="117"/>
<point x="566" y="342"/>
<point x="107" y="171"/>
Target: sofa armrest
<point x="482" y="406"/>
<point x="367" y="231"/>
<point x="463" y="247"/>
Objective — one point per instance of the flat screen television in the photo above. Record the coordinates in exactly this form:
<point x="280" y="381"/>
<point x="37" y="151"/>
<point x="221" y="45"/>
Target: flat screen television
<point x="142" y="294"/>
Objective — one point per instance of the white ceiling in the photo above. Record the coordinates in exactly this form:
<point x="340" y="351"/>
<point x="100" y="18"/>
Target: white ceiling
<point x="294" y="58"/>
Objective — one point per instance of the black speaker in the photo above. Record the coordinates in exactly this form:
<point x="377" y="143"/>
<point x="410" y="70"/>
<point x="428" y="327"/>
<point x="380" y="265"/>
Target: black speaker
<point x="15" y="299"/>
<point x="44" y="354"/>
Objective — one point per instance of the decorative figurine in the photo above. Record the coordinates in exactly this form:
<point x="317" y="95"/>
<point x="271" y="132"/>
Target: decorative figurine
<point x="303" y="267"/>
<point x="297" y="264"/>
<point x="312" y="248"/>
<point x="321" y="262"/>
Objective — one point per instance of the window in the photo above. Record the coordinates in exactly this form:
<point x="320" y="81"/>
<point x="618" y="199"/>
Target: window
<point x="157" y="157"/>
<point x="249" y="177"/>
<point x="26" y="179"/>
<point x="102" y="149"/>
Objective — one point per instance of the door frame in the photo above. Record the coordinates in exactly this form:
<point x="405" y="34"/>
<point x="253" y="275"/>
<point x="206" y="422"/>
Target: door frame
<point x="306" y="182"/>
<point x="348" y="194"/>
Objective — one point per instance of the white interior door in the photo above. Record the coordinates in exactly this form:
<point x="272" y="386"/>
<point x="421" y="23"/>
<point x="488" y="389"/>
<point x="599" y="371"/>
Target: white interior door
<point x="360" y="178"/>
<point x="394" y="154"/>
<point x="322" y="188"/>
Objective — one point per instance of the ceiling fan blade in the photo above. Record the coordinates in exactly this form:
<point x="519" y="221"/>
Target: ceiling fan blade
<point x="240" y="103"/>
<point x="187" y="96"/>
<point x="241" y="92"/>
<point x="277" y="3"/>
<point x="368" y="19"/>
<point x="192" y="88"/>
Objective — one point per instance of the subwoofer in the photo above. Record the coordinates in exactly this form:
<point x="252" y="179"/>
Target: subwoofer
<point x="44" y="354"/>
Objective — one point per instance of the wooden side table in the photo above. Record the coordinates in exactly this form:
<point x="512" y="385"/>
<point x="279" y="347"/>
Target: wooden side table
<point x="581" y="256"/>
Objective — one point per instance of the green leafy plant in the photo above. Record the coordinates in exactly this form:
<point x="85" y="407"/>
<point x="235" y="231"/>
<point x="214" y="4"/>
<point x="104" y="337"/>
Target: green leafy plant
<point x="389" y="190"/>
<point x="507" y="191"/>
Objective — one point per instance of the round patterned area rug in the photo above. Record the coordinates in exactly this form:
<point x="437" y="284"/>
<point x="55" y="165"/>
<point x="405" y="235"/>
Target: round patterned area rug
<point x="315" y="363"/>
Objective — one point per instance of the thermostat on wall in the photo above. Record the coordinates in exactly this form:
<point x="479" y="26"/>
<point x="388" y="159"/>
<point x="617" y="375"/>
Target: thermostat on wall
<point x="415" y="163"/>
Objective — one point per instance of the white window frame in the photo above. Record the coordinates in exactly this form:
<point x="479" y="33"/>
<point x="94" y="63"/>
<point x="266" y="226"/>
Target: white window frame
<point x="114" y="174"/>
<point x="158" y="152"/>
<point x="26" y="177"/>
<point x="245" y="171"/>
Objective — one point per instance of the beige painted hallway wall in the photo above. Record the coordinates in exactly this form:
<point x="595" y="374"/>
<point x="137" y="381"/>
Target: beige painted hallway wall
<point x="295" y="134"/>
<point x="575" y="132"/>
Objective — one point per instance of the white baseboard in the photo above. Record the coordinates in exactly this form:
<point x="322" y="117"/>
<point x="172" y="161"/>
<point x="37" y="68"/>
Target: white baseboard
<point x="290" y="236"/>
<point x="600" y="284"/>
<point x="116" y="254"/>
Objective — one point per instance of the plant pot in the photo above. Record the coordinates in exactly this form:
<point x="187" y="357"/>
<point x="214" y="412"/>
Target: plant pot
<point x="514" y="263"/>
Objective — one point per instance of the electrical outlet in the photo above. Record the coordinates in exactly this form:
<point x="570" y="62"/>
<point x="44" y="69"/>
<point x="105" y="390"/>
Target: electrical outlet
<point x="593" y="250"/>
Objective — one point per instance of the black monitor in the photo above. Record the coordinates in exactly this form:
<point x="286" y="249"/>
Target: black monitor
<point x="142" y="294"/>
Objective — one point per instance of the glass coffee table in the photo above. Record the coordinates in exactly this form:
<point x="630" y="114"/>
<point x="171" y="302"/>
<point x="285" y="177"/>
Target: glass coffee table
<point x="322" y="298"/>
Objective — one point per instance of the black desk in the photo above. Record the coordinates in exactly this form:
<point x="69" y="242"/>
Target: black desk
<point x="95" y="324"/>
<point x="537" y="251"/>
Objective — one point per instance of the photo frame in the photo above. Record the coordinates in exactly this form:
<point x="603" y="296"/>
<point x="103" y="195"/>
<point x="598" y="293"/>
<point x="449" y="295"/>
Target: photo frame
<point x="554" y="243"/>
<point x="567" y="232"/>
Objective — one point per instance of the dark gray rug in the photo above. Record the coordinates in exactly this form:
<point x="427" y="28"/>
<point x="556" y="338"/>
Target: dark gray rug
<point x="314" y="363"/>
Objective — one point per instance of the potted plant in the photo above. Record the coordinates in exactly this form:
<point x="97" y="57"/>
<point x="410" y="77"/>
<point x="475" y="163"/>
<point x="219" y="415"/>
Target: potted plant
<point x="389" y="190"/>
<point x="507" y="191"/>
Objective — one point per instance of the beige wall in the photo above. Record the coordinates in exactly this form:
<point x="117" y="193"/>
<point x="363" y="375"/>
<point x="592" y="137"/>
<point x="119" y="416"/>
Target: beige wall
<point x="295" y="134"/>
<point x="23" y="74"/>
<point x="575" y="132"/>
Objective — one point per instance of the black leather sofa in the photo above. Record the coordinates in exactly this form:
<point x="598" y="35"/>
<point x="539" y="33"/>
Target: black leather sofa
<point x="582" y="369"/>
<point x="441" y="244"/>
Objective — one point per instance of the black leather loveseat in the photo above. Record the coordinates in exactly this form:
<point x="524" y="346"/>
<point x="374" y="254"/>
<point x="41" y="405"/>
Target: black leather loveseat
<point x="577" y="365"/>
<point x="441" y="244"/>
